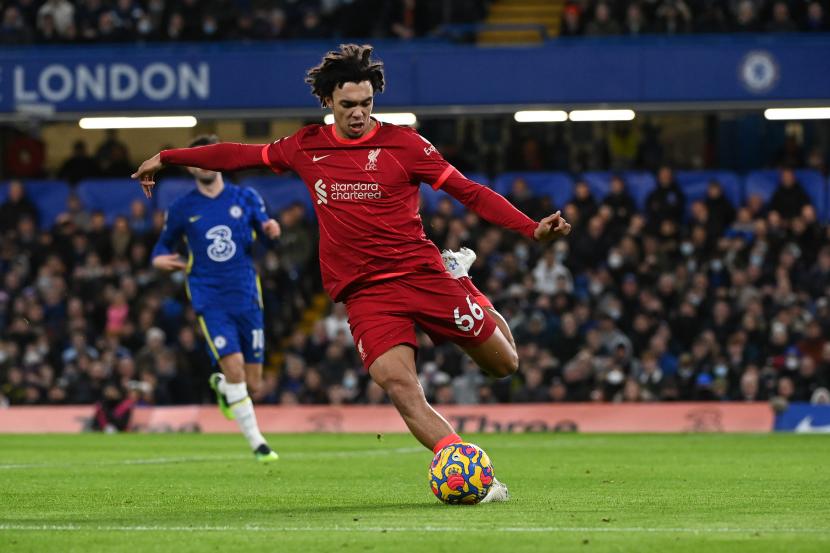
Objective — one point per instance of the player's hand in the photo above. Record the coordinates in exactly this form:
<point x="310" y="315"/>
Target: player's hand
<point x="272" y="229"/>
<point x="169" y="262"/>
<point x="146" y="173"/>
<point x="551" y="228"/>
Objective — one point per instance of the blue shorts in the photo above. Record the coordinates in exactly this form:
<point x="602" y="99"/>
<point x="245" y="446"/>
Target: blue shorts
<point x="229" y="333"/>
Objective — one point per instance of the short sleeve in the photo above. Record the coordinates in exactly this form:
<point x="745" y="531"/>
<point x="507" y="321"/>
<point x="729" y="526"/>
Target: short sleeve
<point x="279" y="155"/>
<point x="426" y="162"/>
<point x="256" y="206"/>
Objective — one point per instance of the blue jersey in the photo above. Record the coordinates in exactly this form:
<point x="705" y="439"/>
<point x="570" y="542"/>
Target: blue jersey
<point x="219" y="233"/>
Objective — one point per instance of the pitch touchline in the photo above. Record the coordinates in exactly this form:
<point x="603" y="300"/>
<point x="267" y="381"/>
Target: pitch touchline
<point x="208" y="458"/>
<point x="547" y="529"/>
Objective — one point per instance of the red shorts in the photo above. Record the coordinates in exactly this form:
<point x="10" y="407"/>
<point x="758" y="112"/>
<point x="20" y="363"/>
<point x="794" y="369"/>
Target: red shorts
<point x="384" y="315"/>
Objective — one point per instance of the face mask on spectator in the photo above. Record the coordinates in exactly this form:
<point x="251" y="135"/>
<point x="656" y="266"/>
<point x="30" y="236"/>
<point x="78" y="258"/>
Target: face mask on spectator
<point x="32" y="357"/>
<point x="792" y="362"/>
<point x="145" y="26"/>
<point x="349" y="382"/>
<point x="615" y="260"/>
<point x="687" y="249"/>
<point x="615" y="377"/>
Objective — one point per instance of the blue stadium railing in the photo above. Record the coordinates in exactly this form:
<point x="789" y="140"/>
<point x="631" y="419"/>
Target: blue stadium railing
<point x="114" y="196"/>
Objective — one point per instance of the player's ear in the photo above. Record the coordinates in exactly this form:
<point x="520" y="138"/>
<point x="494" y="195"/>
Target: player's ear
<point x="329" y="101"/>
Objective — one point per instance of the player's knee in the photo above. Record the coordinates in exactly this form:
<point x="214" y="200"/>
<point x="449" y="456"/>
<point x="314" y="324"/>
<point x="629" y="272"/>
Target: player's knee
<point x="507" y="365"/>
<point x="396" y="383"/>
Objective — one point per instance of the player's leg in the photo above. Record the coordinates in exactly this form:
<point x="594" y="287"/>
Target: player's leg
<point x="498" y="356"/>
<point x="396" y="373"/>
<point x="231" y="348"/>
<point x="384" y="334"/>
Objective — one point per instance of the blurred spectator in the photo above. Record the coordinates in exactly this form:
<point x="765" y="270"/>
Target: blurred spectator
<point x="667" y="202"/>
<point x="13" y="28"/>
<point x="602" y="24"/>
<point x="673" y="17"/>
<point x="620" y="205"/>
<point x="816" y="20"/>
<point x="551" y="276"/>
<point x="789" y="198"/>
<point x="583" y="200"/>
<point x="16" y="207"/>
<point x="635" y="22"/>
<point x="746" y="18"/>
<point x="114" y="411"/>
<point x="571" y="21"/>
<point x="80" y="165"/>
<point x="58" y="15"/>
<point x="781" y="21"/>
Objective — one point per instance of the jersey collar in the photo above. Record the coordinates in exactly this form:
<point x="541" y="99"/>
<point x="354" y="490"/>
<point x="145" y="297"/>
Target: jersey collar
<point x="360" y="140"/>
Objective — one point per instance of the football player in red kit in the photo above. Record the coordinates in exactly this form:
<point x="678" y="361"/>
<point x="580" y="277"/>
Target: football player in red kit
<point x="364" y="177"/>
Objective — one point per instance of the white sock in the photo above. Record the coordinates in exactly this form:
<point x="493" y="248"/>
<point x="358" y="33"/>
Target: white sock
<point x="243" y="410"/>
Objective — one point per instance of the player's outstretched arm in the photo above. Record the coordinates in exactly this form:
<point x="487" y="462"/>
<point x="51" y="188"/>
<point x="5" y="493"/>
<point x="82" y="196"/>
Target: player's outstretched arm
<point x="225" y="156"/>
<point x="495" y="208"/>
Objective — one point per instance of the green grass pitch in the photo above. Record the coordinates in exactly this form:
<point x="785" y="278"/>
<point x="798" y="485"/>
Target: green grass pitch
<point x="588" y="493"/>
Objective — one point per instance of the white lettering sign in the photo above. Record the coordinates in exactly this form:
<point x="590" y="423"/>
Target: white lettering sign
<point x="116" y="82"/>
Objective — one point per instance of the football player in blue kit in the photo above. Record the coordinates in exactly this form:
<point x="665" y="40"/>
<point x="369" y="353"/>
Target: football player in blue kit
<point x="219" y="223"/>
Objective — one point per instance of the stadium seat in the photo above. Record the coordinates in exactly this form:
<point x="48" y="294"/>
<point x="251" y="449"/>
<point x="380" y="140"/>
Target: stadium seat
<point x="763" y="183"/>
<point x="167" y="190"/>
<point x="639" y="184"/>
<point x="48" y="195"/>
<point x="557" y="186"/>
<point x="281" y="192"/>
<point x="112" y="196"/>
<point x="695" y="183"/>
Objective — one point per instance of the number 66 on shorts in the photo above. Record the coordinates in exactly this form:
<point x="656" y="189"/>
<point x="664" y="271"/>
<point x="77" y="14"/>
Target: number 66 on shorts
<point x="466" y="322"/>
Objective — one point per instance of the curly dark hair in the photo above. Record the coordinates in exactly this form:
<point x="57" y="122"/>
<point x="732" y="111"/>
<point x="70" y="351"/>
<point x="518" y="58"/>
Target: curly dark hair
<point x="352" y="64"/>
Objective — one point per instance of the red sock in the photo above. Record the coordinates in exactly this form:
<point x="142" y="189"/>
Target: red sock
<point x="480" y="298"/>
<point x="445" y="441"/>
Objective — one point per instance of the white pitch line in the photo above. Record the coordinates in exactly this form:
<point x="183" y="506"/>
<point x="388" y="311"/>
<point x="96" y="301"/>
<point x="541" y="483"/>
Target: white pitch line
<point x="209" y="458"/>
<point x="434" y="529"/>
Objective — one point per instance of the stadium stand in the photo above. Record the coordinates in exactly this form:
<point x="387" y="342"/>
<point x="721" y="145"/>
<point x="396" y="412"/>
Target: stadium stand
<point x="707" y="310"/>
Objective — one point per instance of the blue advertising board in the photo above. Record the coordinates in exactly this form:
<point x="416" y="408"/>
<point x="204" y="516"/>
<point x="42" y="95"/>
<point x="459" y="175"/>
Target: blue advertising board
<point x="230" y="76"/>
<point x="804" y="418"/>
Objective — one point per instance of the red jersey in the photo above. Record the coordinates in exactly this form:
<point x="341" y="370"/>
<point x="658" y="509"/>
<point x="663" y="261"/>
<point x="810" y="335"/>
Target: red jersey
<point x="365" y="193"/>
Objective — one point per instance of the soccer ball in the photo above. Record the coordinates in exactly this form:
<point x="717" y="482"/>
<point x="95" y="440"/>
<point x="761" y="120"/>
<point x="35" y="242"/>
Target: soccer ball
<point x="461" y="473"/>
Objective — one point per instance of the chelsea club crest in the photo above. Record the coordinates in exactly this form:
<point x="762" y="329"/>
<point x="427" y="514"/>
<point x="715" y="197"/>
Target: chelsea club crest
<point x="759" y="71"/>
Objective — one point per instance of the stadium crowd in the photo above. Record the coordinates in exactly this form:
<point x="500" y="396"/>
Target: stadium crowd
<point x="640" y="17"/>
<point x="710" y="302"/>
<point x="93" y="21"/>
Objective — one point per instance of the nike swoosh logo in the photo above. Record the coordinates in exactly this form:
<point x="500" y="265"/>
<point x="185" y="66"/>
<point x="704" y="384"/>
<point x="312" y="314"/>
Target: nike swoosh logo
<point x="316" y="159"/>
<point x="195" y="218"/>
<point x="477" y="332"/>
